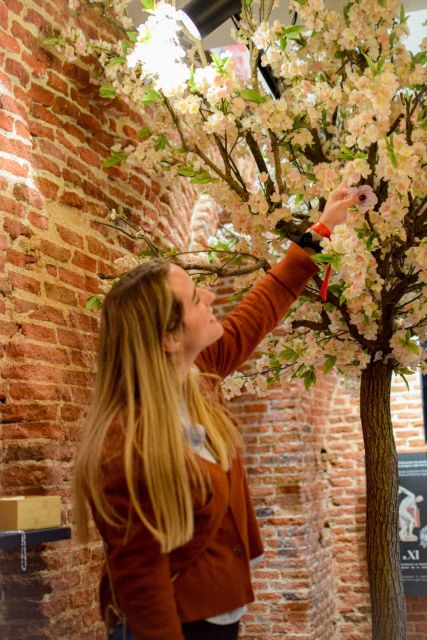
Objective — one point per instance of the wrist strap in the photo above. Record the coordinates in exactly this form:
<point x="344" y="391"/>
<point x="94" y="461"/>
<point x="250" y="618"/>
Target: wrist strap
<point x="321" y="229"/>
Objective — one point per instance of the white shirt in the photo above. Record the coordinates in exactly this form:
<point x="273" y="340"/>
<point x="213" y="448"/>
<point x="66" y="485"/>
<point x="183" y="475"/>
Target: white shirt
<point x="196" y="435"/>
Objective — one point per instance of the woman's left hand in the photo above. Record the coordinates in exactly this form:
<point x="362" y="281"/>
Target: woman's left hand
<point x="337" y="205"/>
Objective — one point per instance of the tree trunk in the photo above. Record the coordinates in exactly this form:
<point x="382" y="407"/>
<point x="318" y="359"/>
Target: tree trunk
<point x="382" y="537"/>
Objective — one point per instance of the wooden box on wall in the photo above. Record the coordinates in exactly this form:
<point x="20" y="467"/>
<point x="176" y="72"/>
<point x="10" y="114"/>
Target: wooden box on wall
<point x="29" y="512"/>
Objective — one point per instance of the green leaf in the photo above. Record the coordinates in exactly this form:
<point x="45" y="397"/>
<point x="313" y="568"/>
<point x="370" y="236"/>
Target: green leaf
<point x="150" y="96"/>
<point x="390" y="150"/>
<point x="346" y="11"/>
<point x="413" y="347"/>
<point x="248" y="2"/>
<point x="382" y="3"/>
<point x="405" y="371"/>
<point x="289" y="354"/>
<point x="116" y="60"/>
<point x="107" y="91"/>
<point x="292" y="32"/>
<point x="282" y="43"/>
<point x="93" y="303"/>
<point x="252" y="96"/>
<point x="299" y="197"/>
<point x="186" y="171"/>
<point x="148" y="4"/>
<point x="132" y="35"/>
<point x="51" y="42"/>
<point x="329" y="363"/>
<point x="162" y="142"/>
<point x="419" y="58"/>
<point x="298" y="121"/>
<point x="144" y="133"/>
<point x="346" y="154"/>
<point x="370" y="63"/>
<point x="309" y="378"/>
<point x="201" y="178"/>
<point x="117" y="157"/>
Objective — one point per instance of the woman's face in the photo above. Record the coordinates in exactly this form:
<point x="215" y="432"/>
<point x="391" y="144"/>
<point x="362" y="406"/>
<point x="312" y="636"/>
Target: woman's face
<point x="201" y="328"/>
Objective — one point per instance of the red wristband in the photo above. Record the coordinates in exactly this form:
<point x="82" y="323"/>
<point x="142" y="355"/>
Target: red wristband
<point x="321" y="229"/>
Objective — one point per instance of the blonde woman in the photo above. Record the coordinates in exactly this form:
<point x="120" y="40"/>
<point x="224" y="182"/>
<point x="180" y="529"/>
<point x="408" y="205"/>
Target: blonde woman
<point x="161" y="464"/>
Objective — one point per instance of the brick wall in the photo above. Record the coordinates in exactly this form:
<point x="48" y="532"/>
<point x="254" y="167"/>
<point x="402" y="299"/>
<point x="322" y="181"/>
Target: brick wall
<point x="54" y="134"/>
<point x="304" y="449"/>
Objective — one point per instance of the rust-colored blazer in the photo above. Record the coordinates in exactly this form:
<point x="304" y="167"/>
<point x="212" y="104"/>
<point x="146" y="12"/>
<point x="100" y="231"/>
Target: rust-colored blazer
<point x="211" y="572"/>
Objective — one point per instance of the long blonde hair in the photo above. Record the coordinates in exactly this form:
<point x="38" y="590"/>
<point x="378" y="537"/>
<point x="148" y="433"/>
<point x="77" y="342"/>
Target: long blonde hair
<point x="136" y="380"/>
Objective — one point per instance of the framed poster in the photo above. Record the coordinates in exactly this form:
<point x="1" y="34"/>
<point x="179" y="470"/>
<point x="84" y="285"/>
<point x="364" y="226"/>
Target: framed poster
<point x="413" y="522"/>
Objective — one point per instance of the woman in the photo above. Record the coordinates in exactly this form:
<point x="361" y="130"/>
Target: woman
<point x="160" y="463"/>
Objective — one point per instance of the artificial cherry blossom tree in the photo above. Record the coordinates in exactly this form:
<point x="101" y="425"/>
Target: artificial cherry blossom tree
<point x="351" y="108"/>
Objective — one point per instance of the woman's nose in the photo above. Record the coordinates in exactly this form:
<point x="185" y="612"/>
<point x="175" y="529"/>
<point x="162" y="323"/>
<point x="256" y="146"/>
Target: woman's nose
<point x="209" y="296"/>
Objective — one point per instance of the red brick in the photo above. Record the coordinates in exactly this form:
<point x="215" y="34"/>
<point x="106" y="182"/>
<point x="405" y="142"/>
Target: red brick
<point x="71" y="199"/>
<point x="33" y="351"/>
<point x="16" y="69"/>
<point x="16" y="229"/>
<point x="90" y="157"/>
<point x="39" y="332"/>
<point x="38" y="67"/>
<point x="20" y="259"/>
<point x="92" y="285"/>
<point x="14" y="168"/>
<point x="57" y="83"/>
<point x="98" y="248"/>
<point x="71" y="413"/>
<point x="47" y="314"/>
<point x="3" y="15"/>
<point x="21" y="129"/>
<point x="22" y="192"/>
<point x="83" y="321"/>
<point x="24" y="282"/>
<point x="65" y="107"/>
<point x="39" y="221"/>
<point x="80" y="378"/>
<point x="72" y="278"/>
<point x="9" y="104"/>
<point x="41" y="95"/>
<point x="61" y="294"/>
<point x="72" y="339"/>
<point x="89" y="122"/>
<point x="50" y="149"/>
<point x="34" y="17"/>
<point x="15" y="148"/>
<point x="32" y="372"/>
<point x="34" y="430"/>
<point x="6" y="83"/>
<point x="11" y="206"/>
<point x="39" y="392"/>
<point x="76" y="132"/>
<point x="40" y="112"/>
<point x="44" y="164"/>
<point x="84" y="261"/>
<point x="15" y="6"/>
<point x="56" y="251"/>
<point x="37" y="130"/>
<point x="6" y="122"/>
<point x="48" y="188"/>
<point x="8" y="43"/>
<point x="70" y="237"/>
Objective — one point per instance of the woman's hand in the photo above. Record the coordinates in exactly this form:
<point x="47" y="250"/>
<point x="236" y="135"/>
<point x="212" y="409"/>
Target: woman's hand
<point x="338" y="203"/>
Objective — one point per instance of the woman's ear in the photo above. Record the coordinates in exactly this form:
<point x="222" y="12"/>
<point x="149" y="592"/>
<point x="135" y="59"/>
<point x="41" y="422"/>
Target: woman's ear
<point x="171" y="343"/>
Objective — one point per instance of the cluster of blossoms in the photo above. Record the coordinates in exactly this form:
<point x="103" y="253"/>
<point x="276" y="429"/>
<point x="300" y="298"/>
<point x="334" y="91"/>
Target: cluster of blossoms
<point x="351" y="109"/>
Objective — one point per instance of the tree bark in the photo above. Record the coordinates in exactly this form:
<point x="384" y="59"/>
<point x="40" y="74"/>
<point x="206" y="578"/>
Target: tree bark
<point x="382" y="484"/>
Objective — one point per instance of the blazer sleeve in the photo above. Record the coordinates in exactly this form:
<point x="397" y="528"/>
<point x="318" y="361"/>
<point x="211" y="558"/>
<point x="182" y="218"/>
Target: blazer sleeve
<point x="140" y="575"/>
<point x="260" y="312"/>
